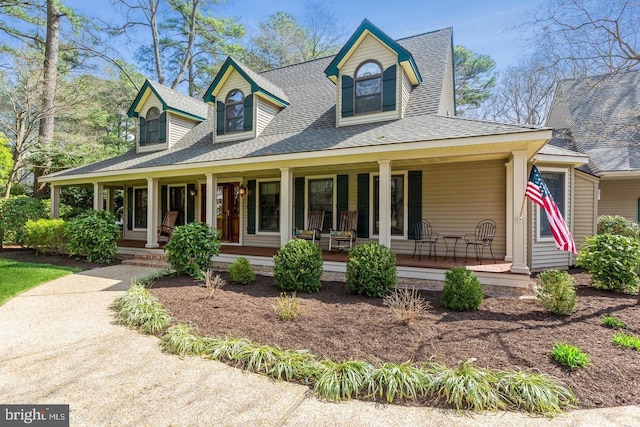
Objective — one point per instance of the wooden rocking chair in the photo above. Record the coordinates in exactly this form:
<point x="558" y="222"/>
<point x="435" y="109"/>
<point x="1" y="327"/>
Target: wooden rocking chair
<point x="313" y="231"/>
<point x="168" y="224"/>
<point x="346" y="232"/>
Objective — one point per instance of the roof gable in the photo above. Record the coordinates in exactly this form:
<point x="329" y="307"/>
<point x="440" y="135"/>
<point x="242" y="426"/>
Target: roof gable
<point x="405" y="58"/>
<point x="171" y="100"/>
<point x="259" y="84"/>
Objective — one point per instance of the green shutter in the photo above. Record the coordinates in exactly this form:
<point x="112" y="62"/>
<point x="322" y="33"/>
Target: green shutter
<point x="363" y="205"/>
<point x="219" y="118"/>
<point x="639" y="210"/>
<point x="191" y="203"/>
<point x="342" y="194"/>
<point x="299" y="202"/>
<point x="129" y="208"/>
<point x="347" y="96"/>
<point x="248" y="113"/>
<point x="163" y="201"/>
<point x="251" y="206"/>
<point x="163" y="127"/>
<point x="389" y="89"/>
<point x="142" y="137"/>
<point x="414" y="201"/>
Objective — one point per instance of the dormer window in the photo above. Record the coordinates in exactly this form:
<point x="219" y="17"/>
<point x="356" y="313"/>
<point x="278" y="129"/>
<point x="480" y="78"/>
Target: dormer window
<point x="234" y="111"/>
<point x="368" y="87"/>
<point x="152" y="128"/>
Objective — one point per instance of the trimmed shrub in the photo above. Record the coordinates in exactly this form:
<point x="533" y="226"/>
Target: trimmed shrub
<point x="570" y="355"/>
<point x="46" y="235"/>
<point x="297" y="267"/>
<point x="461" y="290"/>
<point x="371" y="270"/>
<point x="613" y="262"/>
<point x="618" y="225"/>
<point x="242" y="272"/>
<point x="191" y="248"/>
<point x="14" y="214"/>
<point x="556" y="291"/>
<point x="94" y="234"/>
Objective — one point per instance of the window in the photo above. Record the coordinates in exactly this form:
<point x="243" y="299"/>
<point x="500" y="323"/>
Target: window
<point x="269" y="201"/>
<point x="368" y="88"/>
<point x="152" y="128"/>
<point x="234" y="111"/>
<point x="139" y="208"/>
<point x="397" y="205"/>
<point x="177" y="202"/>
<point x="321" y="199"/>
<point x="555" y="183"/>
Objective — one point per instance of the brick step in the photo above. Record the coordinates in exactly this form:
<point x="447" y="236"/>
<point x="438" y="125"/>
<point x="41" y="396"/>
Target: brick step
<point x="147" y="262"/>
<point x="151" y="256"/>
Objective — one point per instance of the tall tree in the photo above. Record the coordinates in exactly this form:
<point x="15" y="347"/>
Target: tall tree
<point x="22" y="21"/>
<point x="475" y="77"/>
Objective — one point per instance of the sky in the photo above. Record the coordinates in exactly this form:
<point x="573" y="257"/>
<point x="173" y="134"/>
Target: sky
<point x="484" y="26"/>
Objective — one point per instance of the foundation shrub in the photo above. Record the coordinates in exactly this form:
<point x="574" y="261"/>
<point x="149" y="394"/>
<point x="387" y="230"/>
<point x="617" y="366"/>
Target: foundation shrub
<point x="461" y="290"/>
<point x="618" y="225"/>
<point x="46" y="235"/>
<point x="94" y="234"/>
<point x="14" y="214"/>
<point x="556" y="291"/>
<point x="371" y="270"/>
<point x="242" y="272"/>
<point x="297" y="267"/>
<point x="191" y="247"/>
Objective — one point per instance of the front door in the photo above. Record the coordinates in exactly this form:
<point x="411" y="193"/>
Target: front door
<point x="177" y="202"/>
<point x="228" y="204"/>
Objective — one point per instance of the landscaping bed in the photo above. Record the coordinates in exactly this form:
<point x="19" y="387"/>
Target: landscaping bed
<point x="505" y="333"/>
<point x="18" y="253"/>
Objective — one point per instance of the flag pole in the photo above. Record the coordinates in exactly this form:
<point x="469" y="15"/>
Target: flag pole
<point x="524" y="196"/>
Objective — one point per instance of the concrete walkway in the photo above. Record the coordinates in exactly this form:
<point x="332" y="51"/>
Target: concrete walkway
<point x="59" y="345"/>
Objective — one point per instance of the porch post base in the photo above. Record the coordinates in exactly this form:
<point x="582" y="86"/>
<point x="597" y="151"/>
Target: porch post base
<point x="523" y="269"/>
<point x="151" y="245"/>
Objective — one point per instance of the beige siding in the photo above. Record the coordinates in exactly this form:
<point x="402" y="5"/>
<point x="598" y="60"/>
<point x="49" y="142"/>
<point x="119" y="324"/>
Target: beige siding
<point x="585" y="207"/>
<point x="406" y="91"/>
<point x="177" y="127"/>
<point x="619" y="197"/>
<point x="266" y="112"/>
<point x="447" y="102"/>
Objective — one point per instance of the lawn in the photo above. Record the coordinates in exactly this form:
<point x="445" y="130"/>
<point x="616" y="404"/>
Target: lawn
<point x="17" y="277"/>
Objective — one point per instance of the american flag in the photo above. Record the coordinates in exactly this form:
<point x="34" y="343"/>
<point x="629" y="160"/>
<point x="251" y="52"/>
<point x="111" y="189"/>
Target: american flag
<point x="539" y="193"/>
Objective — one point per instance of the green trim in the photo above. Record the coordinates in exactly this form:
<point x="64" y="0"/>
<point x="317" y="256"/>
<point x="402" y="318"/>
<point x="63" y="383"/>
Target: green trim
<point x="299" y="202"/>
<point x="129" y="208"/>
<point x="165" y="107"/>
<point x="403" y="54"/>
<point x="638" y="209"/>
<point x="342" y="194"/>
<point x="414" y="199"/>
<point x="191" y="203"/>
<point x="208" y="95"/>
<point x="363" y="205"/>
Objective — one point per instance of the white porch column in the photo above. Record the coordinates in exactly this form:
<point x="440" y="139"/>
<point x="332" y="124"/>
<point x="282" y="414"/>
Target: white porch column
<point x="98" y="196"/>
<point x="286" y="205"/>
<point x="110" y="199"/>
<point x="519" y="238"/>
<point x="152" y="213"/>
<point x="510" y="211"/>
<point x="55" y="201"/>
<point x="212" y="203"/>
<point x="384" y="202"/>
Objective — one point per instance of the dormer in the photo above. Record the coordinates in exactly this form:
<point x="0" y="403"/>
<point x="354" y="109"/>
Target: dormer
<point x="374" y="77"/>
<point x="164" y="116"/>
<point x="245" y="102"/>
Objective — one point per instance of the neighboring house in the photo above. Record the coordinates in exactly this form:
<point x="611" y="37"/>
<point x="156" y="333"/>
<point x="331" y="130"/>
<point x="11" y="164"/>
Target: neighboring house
<point x="371" y="129"/>
<point x="600" y="117"/>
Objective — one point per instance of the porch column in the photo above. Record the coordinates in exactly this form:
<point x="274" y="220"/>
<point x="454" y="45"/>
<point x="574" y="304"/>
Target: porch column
<point x="152" y="213"/>
<point x="111" y="199"/>
<point x="98" y="196"/>
<point x="519" y="238"/>
<point x="55" y="201"/>
<point x="212" y="202"/>
<point x="509" y="213"/>
<point x="286" y="205"/>
<point x="384" y="202"/>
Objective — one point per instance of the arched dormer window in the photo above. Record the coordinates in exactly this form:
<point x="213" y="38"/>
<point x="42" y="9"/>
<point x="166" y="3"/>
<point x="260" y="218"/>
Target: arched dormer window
<point x="234" y="111"/>
<point x="368" y="87"/>
<point x="152" y="127"/>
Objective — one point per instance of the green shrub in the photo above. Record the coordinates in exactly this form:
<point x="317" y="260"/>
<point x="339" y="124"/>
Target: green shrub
<point x="556" y="291"/>
<point x="242" y="272"/>
<point x="398" y="381"/>
<point x="534" y="392"/>
<point x="371" y="270"/>
<point x="461" y="290"/>
<point x="618" y="225"/>
<point x="297" y="267"/>
<point x="626" y="340"/>
<point x="14" y="214"/>
<point x="612" y="260"/>
<point x="191" y="248"/>
<point x="139" y="309"/>
<point x="46" y="235"/>
<point x="94" y="234"/>
<point x="570" y="356"/>
<point x="611" y="322"/>
<point x="182" y="340"/>
<point x="343" y="380"/>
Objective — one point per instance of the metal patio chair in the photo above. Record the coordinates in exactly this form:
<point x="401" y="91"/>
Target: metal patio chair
<point x="482" y="238"/>
<point x="424" y="234"/>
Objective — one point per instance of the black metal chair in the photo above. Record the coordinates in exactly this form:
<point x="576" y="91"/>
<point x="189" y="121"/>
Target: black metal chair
<point x="423" y="234"/>
<point x="483" y="237"/>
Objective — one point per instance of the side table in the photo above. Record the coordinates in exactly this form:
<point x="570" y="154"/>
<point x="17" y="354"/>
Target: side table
<point x="446" y="245"/>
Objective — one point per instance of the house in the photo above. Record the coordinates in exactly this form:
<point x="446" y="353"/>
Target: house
<point x="598" y="116"/>
<point x="371" y="129"/>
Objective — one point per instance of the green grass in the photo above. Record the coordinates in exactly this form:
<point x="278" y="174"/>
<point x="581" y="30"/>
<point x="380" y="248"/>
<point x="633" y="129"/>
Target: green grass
<point x="18" y="277"/>
<point x="626" y="340"/>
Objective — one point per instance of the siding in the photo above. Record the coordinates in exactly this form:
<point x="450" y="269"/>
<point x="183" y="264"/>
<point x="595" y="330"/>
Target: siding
<point x="152" y="101"/>
<point x="619" y="197"/>
<point x="177" y="127"/>
<point x="406" y="91"/>
<point x="235" y="81"/>
<point x="266" y="112"/>
<point x="370" y="48"/>
<point x="585" y="207"/>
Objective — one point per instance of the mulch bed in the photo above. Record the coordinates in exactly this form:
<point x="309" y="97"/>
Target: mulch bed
<point x="505" y="333"/>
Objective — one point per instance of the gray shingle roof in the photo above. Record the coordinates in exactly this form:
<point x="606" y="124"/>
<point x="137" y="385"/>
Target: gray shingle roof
<point x="599" y="116"/>
<point x="263" y="82"/>
<point x="180" y="101"/>
<point x="308" y="123"/>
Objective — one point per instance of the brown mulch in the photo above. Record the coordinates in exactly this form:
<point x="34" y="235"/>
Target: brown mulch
<point x="17" y="253"/>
